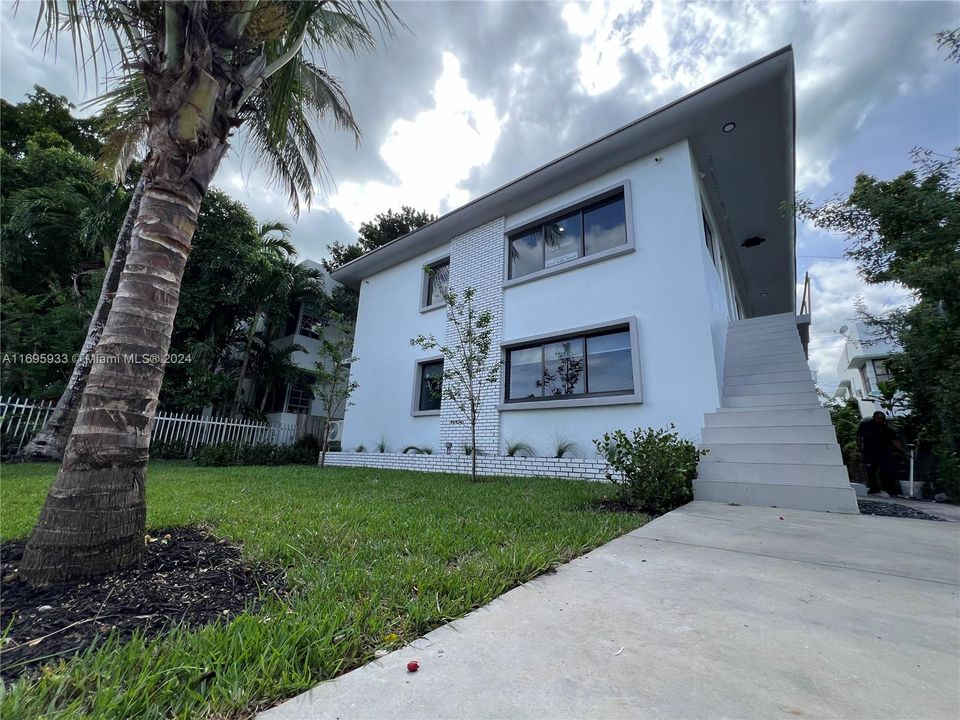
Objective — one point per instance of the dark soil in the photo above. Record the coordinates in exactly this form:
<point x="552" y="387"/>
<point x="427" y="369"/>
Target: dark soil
<point x="186" y="576"/>
<point x="614" y="505"/>
<point x="873" y="507"/>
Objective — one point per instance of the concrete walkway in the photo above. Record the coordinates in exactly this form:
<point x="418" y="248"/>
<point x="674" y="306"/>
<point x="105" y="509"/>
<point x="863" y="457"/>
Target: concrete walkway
<point x="712" y="611"/>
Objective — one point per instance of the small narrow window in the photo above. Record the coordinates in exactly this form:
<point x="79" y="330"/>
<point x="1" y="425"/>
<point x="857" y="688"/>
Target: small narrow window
<point x="438" y="279"/>
<point x="708" y="238"/>
<point x="430" y="385"/>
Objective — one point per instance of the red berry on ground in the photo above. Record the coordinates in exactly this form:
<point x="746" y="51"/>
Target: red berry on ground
<point x="413" y="666"/>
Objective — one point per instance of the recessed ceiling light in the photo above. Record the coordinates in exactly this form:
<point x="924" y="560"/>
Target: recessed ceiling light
<point x="763" y="294"/>
<point x="729" y="127"/>
<point x="752" y="242"/>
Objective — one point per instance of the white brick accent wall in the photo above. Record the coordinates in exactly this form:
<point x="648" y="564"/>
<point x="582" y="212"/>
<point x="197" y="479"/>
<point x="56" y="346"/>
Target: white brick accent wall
<point x="476" y="260"/>
<point x="563" y="468"/>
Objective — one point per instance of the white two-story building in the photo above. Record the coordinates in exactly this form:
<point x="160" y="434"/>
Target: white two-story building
<point x="863" y="366"/>
<point x="616" y="276"/>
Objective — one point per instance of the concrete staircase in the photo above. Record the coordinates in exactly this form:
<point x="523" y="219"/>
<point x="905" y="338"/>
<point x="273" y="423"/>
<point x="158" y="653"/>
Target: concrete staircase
<point x="770" y="442"/>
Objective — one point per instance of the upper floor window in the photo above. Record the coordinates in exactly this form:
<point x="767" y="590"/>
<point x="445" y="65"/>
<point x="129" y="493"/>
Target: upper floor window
<point x="311" y="322"/>
<point x="585" y="229"/>
<point x="882" y="371"/>
<point x="598" y="363"/>
<point x="708" y="238"/>
<point x="436" y="283"/>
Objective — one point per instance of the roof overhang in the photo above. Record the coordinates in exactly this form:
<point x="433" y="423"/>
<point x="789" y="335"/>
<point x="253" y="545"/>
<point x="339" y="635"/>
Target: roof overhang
<point x="747" y="174"/>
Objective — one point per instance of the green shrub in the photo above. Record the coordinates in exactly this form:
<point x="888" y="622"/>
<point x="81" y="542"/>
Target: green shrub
<point x="170" y="450"/>
<point x="654" y="469"/>
<point x="260" y="454"/>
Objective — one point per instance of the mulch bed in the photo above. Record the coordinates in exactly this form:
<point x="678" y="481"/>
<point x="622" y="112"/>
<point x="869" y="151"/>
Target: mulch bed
<point x="873" y="507"/>
<point x="186" y="576"/>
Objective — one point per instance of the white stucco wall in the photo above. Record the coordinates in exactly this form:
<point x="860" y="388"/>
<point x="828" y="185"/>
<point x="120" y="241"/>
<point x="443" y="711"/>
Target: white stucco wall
<point x="668" y="284"/>
<point x="389" y="316"/>
<point x="662" y="284"/>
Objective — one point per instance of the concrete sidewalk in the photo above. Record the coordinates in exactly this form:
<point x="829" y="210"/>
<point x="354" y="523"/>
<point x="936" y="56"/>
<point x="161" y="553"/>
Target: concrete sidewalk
<point x="711" y="611"/>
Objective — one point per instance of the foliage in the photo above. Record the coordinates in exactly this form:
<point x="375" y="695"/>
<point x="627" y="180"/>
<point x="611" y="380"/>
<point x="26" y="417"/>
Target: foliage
<point x="351" y="562"/>
<point x="382" y="446"/>
<point x="846" y="421"/>
<point x="654" y="468"/>
<point x="385" y="227"/>
<point x="905" y="230"/>
<point x="229" y="453"/>
<point x="520" y="448"/>
<point x="467" y="367"/>
<point x="563" y="446"/>
<point x="334" y="385"/>
<point x="418" y="450"/>
<point x="45" y="112"/>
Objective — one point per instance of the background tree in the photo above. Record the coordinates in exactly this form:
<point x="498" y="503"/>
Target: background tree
<point x="385" y="227"/>
<point x="467" y="367"/>
<point x="905" y="230"/>
<point x="190" y="73"/>
<point x="333" y="386"/>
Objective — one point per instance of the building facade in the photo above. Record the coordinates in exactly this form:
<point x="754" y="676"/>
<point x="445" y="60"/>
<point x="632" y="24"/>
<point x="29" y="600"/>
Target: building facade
<point x="862" y="367"/>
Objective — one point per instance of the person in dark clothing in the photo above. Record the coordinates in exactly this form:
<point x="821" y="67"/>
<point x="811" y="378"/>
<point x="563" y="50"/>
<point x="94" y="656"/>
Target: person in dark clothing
<point x="876" y="441"/>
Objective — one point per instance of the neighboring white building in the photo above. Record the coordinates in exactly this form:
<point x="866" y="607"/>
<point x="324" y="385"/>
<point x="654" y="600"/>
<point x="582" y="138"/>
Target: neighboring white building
<point x="294" y="403"/>
<point x="613" y="275"/>
<point x="862" y="366"/>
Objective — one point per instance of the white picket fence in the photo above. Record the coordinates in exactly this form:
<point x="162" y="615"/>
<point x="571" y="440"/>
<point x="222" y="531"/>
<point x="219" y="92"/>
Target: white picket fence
<point x="21" y="418"/>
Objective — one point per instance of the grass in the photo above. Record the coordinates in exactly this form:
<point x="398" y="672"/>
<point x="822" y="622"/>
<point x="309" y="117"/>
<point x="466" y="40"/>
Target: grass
<point x="375" y="558"/>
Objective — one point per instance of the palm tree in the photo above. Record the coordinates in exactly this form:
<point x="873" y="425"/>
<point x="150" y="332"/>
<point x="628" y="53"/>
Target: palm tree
<point x="189" y="74"/>
<point x="271" y="260"/>
<point x="275" y="367"/>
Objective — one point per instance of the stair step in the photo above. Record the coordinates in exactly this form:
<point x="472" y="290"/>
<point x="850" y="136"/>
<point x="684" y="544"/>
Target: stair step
<point x="738" y="363"/>
<point x="775" y="474"/>
<point x="793" y="435"/>
<point x="773" y="377"/>
<point x="745" y="334"/>
<point x="781" y="318"/>
<point x="772" y="417"/>
<point x="775" y="388"/>
<point x="776" y="453"/>
<point x="794" y="365"/>
<point x="797" y="497"/>
<point x="763" y="349"/>
<point x="786" y="407"/>
<point x="801" y="399"/>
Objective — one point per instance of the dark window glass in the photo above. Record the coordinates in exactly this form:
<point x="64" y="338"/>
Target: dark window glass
<point x="609" y="362"/>
<point x="526" y="253"/>
<point x="526" y="373"/>
<point x="708" y="235"/>
<point x="883" y="373"/>
<point x="438" y="278"/>
<point x="591" y="365"/>
<point x="562" y="240"/>
<point x="301" y="395"/>
<point x="604" y="226"/>
<point x="431" y="385"/>
<point x="563" y="368"/>
<point x="311" y="322"/>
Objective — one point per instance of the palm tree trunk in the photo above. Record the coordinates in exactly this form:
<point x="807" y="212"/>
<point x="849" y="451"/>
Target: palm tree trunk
<point x="93" y="519"/>
<point x="49" y="443"/>
<point x="251" y="332"/>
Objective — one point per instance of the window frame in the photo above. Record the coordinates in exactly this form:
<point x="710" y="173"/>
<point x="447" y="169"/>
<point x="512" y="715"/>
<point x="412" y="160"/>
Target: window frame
<point x="415" y="410"/>
<point x="633" y="396"/>
<point x="425" y="283"/>
<point x="579" y="205"/>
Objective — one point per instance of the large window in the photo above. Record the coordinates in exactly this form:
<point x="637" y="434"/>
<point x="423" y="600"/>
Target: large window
<point x="583" y="230"/>
<point x="311" y="321"/>
<point x="592" y="364"/>
<point x="301" y="394"/>
<point x="429" y="385"/>
<point x="437" y="280"/>
<point x="882" y="371"/>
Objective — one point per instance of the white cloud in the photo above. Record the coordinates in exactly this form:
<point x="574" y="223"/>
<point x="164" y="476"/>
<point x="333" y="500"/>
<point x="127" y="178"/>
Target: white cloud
<point x="835" y="289"/>
<point x="429" y="156"/>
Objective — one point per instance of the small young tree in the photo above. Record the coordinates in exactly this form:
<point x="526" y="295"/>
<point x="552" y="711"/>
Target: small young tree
<point x="334" y="386"/>
<point x="466" y="365"/>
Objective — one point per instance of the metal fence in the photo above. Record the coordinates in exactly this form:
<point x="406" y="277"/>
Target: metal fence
<point x="174" y="434"/>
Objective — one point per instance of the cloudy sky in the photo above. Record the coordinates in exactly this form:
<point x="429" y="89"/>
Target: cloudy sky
<point x="473" y="94"/>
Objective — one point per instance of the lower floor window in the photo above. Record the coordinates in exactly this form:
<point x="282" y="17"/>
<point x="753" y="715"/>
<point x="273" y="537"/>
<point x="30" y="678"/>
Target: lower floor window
<point x="599" y="363"/>
<point x="301" y="395"/>
<point x="430" y="385"/>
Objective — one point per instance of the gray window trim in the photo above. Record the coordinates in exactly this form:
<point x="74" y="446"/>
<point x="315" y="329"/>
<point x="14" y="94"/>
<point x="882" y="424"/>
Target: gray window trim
<point x="425" y="285"/>
<point x="415" y="410"/>
<point x="629" y="247"/>
<point x="629" y="398"/>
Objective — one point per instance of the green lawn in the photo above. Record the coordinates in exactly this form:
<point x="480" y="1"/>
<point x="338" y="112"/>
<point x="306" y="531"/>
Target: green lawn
<point x="368" y="552"/>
